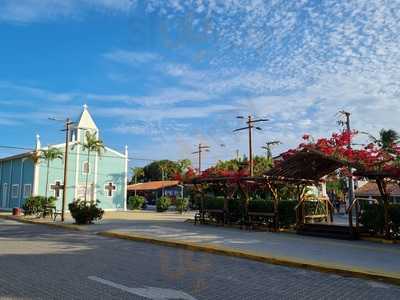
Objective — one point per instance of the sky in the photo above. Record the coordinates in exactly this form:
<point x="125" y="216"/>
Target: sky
<point x="162" y="76"/>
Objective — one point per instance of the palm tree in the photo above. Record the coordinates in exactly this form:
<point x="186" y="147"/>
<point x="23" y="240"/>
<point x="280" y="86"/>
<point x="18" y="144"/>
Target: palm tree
<point x="92" y="144"/>
<point x="387" y="139"/>
<point x="137" y="172"/>
<point x="183" y="165"/>
<point x="49" y="155"/>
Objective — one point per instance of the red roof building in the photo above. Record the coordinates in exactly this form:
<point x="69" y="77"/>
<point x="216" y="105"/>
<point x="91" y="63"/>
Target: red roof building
<point x="371" y="190"/>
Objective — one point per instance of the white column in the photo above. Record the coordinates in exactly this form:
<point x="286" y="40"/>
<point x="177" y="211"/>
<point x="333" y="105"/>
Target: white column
<point x="96" y="161"/>
<point x="126" y="178"/>
<point x="36" y="169"/>
<point x="77" y="167"/>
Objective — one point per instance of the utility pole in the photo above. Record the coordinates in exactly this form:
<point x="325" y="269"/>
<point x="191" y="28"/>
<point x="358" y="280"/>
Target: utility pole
<point x="200" y="149"/>
<point x="64" y="199"/>
<point x="350" y="177"/>
<point x="67" y="124"/>
<point x="268" y="146"/>
<point x="250" y="125"/>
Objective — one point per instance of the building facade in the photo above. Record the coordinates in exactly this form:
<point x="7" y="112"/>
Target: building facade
<point x="101" y="177"/>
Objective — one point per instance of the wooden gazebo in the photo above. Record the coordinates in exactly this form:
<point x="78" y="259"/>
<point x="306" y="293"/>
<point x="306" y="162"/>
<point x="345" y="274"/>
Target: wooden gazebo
<point x="302" y="169"/>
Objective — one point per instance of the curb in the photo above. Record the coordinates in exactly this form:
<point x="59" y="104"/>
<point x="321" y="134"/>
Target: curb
<point x="392" y="278"/>
<point x="54" y="225"/>
<point x="378" y="240"/>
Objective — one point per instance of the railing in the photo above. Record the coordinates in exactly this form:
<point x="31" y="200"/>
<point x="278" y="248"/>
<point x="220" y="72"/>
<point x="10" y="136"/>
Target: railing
<point x="356" y="205"/>
<point x="322" y="200"/>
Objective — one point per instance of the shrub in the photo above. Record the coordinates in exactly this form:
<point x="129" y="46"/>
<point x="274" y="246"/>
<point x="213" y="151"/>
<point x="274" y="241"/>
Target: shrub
<point x="214" y="202"/>
<point x="182" y="204"/>
<point x="85" y="212"/>
<point x="260" y="205"/>
<point x="287" y="213"/>
<point x="373" y="218"/>
<point x="35" y="204"/>
<point x="136" y="202"/>
<point x="163" y="204"/>
<point x="32" y="205"/>
<point x="394" y="215"/>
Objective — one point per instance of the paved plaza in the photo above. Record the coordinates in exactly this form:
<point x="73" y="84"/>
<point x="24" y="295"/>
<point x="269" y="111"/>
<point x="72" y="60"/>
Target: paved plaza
<point x="38" y="262"/>
<point x="360" y="256"/>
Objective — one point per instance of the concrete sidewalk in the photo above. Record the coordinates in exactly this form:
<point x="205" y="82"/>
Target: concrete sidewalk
<point x="374" y="260"/>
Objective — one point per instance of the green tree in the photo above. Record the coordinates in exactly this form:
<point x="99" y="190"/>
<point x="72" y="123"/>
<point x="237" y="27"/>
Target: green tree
<point x="183" y="165"/>
<point x="386" y="140"/>
<point x="91" y="144"/>
<point x="262" y="164"/>
<point x="232" y="164"/>
<point x="161" y="170"/>
<point x="49" y="155"/>
<point x="137" y="174"/>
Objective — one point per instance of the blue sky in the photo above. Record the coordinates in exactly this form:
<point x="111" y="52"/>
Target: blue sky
<point x="162" y="76"/>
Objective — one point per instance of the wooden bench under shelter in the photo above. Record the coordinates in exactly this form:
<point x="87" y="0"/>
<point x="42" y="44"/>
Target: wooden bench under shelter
<point x="210" y="215"/>
<point x="255" y="219"/>
<point x="302" y="169"/>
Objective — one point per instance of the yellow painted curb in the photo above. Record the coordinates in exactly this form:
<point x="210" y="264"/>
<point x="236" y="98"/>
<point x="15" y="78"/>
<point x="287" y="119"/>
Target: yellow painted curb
<point x="393" y="278"/>
<point x="378" y="240"/>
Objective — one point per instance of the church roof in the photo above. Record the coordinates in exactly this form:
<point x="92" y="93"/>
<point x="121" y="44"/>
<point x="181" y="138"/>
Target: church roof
<point x="86" y="120"/>
<point x="17" y="156"/>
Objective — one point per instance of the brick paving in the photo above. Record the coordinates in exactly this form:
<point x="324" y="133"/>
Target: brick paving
<point x="357" y="255"/>
<point x="37" y="262"/>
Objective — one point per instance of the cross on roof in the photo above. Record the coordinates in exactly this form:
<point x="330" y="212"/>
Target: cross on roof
<point x="57" y="187"/>
<point x="110" y="187"/>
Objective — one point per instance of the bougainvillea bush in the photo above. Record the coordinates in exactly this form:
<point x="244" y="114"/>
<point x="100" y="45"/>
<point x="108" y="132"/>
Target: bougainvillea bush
<point x="379" y="160"/>
<point x="369" y="157"/>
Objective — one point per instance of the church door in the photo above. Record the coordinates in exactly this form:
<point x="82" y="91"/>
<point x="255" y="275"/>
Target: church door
<point x="89" y="193"/>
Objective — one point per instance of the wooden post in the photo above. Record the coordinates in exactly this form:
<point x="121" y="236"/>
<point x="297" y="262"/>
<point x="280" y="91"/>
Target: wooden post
<point x="251" y="165"/>
<point x="274" y="193"/>
<point x="64" y="198"/>
<point x="385" y="197"/>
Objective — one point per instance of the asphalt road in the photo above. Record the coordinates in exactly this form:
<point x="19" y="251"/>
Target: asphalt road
<point x="37" y="262"/>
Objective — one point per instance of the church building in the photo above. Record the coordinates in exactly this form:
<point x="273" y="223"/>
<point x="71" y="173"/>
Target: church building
<point x="24" y="175"/>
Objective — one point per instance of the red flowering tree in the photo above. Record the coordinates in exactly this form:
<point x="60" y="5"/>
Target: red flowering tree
<point x="378" y="160"/>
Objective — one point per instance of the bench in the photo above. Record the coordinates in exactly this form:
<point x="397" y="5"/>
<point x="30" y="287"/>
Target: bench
<point x="56" y="212"/>
<point x="50" y="210"/>
<point x="260" y="218"/>
<point x="212" y="215"/>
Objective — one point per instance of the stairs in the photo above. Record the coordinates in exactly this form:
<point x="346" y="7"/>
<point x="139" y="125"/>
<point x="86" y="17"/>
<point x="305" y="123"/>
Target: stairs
<point x="328" y="231"/>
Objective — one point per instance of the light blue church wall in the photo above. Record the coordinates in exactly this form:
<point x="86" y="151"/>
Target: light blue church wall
<point x="56" y="173"/>
<point x="113" y="171"/>
<point x="16" y="181"/>
<point x="109" y="167"/>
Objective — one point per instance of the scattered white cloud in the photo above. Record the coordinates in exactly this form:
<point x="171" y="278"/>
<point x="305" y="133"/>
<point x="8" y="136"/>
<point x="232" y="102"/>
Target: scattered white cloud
<point x="151" y="114"/>
<point x="29" y="11"/>
<point x="296" y="62"/>
<point x="131" y="57"/>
